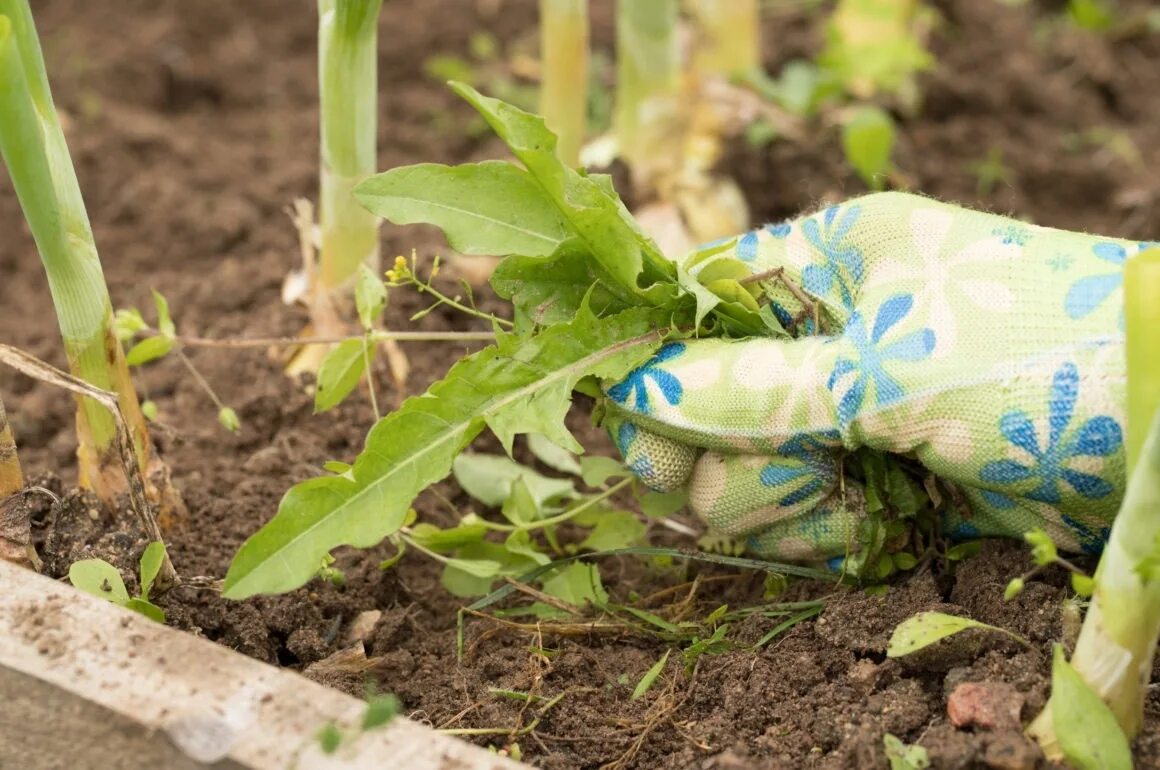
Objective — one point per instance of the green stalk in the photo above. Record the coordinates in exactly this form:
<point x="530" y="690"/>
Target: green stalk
<point x="1118" y="640"/>
<point x="33" y="146"/>
<point x="348" y="95"/>
<point x="564" y="76"/>
<point x="11" y="477"/>
<point x="648" y="86"/>
<point x="729" y="37"/>
<point x="1142" y="314"/>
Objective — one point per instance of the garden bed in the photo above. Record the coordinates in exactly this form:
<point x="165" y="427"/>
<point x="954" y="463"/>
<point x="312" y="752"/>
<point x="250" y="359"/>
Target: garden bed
<point x="193" y="125"/>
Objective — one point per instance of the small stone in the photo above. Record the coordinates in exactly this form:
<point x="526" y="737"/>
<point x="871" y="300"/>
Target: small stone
<point x="361" y="627"/>
<point x="985" y="705"/>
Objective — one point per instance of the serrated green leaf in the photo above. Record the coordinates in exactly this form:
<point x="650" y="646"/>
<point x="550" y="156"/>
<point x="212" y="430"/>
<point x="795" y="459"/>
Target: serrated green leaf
<point x="338" y="374"/>
<point x="490" y="479"/>
<point x="415" y="446"/>
<point x="650" y="676"/>
<point x="148" y="349"/>
<point x="926" y="628"/>
<point x="577" y="584"/>
<point x="99" y="578"/>
<point x="867" y="141"/>
<point x="151" y="560"/>
<point x="614" y="529"/>
<point x="552" y="454"/>
<point x="478" y="565"/>
<point x="146" y="608"/>
<point x="492" y="208"/>
<point x="602" y="224"/>
<point x="548" y="291"/>
<point x="1087" y="730"/>
<point x="370" y="296"/>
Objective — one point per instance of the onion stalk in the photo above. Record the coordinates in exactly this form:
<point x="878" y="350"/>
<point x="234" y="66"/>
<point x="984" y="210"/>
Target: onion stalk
<point x="348" y="93"/>
<point x="32" y="144"/>
<point x="564" y="74"/>
<point x="729" y="37"/>
<point x="1117" y="642"/>
<point x="646" y="119"/>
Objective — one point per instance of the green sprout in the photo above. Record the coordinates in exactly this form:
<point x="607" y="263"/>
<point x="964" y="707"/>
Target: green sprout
<point x="564" y="73"/>
<point x="101" y="579"/>
<point x="33" y="147"/>
<point x="1116" y="644"/>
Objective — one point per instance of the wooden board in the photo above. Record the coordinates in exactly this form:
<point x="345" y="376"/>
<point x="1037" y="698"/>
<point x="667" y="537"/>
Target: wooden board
<point x="85" y="684"/>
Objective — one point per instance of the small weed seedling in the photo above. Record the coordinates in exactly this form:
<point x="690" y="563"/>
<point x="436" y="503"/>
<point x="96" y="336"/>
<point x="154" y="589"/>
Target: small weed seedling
<point x="101" y="579"/>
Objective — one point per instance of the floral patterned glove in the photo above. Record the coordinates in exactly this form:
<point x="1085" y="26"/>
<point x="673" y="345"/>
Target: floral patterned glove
<point x="989" y="350"/>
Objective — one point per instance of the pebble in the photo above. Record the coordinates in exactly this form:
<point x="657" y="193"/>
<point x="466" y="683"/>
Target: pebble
<point x="985" y="705"/>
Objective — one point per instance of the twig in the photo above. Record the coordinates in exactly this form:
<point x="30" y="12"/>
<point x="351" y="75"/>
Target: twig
<point x="39" y="370"/>
<point x="266" y="342"/>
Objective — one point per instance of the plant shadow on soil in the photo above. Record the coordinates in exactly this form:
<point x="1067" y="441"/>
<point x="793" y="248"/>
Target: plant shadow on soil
<point x="192" y="126"/>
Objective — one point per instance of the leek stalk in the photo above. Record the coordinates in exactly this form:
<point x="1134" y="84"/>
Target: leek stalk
<point x="1117" y="642"/>
<point x="33" y="147"/>
<point x="348" y="95"/>
<point x="564" y="73"/>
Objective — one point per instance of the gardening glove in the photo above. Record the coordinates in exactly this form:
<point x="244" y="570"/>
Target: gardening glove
<point x="988" y="350"/>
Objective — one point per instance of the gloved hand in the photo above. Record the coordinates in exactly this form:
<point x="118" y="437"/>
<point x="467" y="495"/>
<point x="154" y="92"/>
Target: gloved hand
<point x="988" y="349"/>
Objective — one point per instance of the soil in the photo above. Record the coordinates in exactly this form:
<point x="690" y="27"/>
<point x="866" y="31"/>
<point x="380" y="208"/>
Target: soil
<point x="192" y="126"/>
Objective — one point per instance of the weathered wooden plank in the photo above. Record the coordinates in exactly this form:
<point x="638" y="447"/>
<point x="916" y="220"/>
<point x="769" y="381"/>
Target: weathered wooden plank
<point x="84" y="684"/>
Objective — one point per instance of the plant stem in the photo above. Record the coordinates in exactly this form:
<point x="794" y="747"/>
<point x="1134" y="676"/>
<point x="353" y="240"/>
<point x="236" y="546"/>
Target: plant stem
<point x="729" y="37"/>
<point x="348" y="94"/>
<point x="378" y="336"/>
<point x="1142" y="306"/>
<point x="1117" y="643"/>
<point x="564" y="73"/>
<point x="11" y="477"/>
<point x="34" y="149"/>
<point x="648" y="85"/>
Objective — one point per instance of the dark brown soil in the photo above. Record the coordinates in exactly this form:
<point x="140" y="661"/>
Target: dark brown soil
<point x="193" y="126"/>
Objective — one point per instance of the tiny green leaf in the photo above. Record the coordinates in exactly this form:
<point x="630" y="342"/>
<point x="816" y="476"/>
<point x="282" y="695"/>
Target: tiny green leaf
<point x="381" y="709"/>
<point x="1088" y="733"/>
<point x="228" y="419"/>
<point x="329" y="738"/>
<point x="149" y="409"/>
<point x="99" y="578"/>
<point x="926" y="628"/>
<point x="660" y="504"/>
<point x="164" y="322"/>
<point x="650" y="676"/>
<point x="614" y="529"/>
<point x="596" y="470"/>
<point x="553" y="455"/>
<point x="151" y="560"/>
<point x="443" y="540"/>
<point x="867" y="141"/>
<point x="904" y="756"/>
<point x="339" y="374"/>
<point x="148" y="349"/>
<point x="1014" y="588"/>
<point x="577" y="584"/>
<point x="370" y="297"/>
<point x="146" y="608"/>
<point x="127" y="323"/>
<point x="1083" y="585"/>
<point x="964" y="550"/>
<point x="1043" y="550"/>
